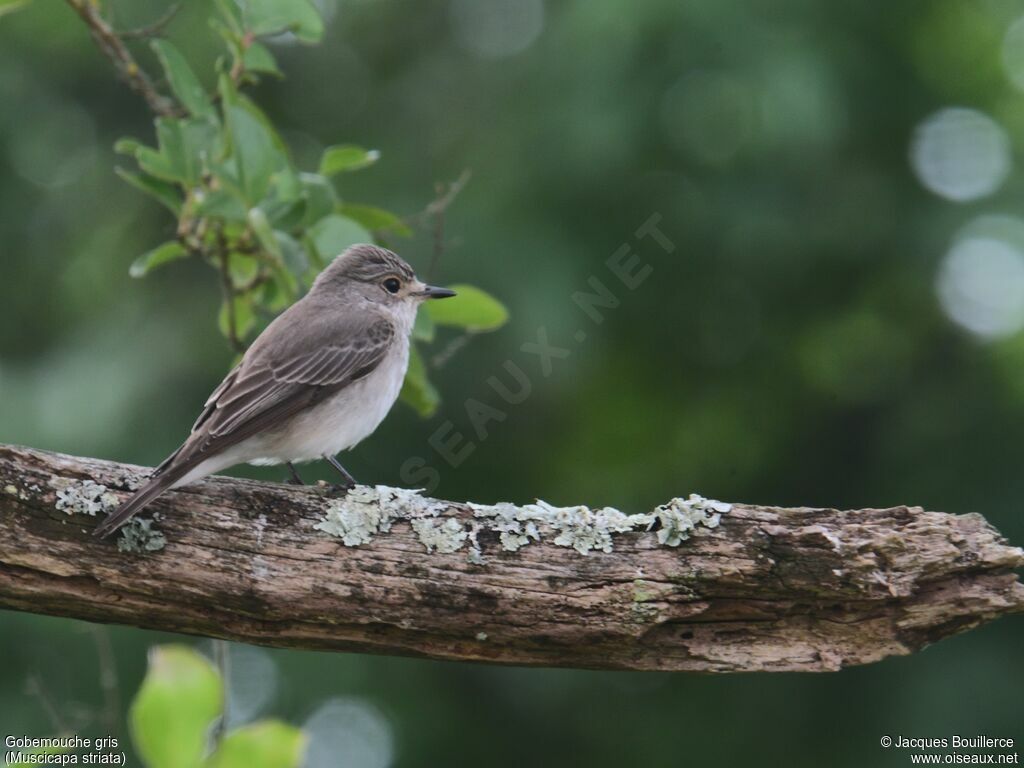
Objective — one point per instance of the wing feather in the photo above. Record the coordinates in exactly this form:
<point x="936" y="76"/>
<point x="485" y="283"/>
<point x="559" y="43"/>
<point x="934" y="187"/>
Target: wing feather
<point x="264" y="393"/>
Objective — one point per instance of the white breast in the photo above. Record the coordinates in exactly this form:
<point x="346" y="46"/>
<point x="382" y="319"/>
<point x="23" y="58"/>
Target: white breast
<point x="340" y="422"/>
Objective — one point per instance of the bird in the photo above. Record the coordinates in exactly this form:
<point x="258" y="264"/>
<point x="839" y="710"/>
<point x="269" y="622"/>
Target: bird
<point x="318" y="380"/>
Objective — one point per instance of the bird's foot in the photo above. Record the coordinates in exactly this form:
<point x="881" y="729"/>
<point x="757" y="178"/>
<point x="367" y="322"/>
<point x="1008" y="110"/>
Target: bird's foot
<point x="295" y="478"/>
<point x="336" y="490"/>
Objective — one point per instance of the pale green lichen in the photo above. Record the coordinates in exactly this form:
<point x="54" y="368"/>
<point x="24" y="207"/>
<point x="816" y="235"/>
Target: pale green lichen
<point x="129" y="480"/>
<point x="85" y="497"/>
<point x="481" y="636"/>
<point x="476" y="554"/>
<point x="514" y="530"/>
<point x="367" y="510"/>
<point x="138" y="535"/>
<point x="448" y="536"/>
<point x="680" y="517"/>
<point x="586" y="529"/>
<point x="583" y="528"/>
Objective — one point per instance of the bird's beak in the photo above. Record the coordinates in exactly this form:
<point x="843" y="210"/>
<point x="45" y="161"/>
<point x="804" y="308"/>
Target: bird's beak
<point x="434" y="292"/>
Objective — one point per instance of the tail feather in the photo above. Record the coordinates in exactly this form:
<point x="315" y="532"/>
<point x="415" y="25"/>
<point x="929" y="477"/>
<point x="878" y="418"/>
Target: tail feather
<point x="146" y="494"/>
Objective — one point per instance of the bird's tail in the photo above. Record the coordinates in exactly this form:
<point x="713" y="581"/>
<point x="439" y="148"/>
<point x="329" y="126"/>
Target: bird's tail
<point x="153" y="488"/>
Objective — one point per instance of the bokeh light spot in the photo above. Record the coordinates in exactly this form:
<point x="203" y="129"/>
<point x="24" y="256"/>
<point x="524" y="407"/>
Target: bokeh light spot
<point x="960" y="154"/>
<point x="253" y="683"/>
<point x="981" y="286"/>
<point x="493" y="29"/>
<point x="351" y="732"/>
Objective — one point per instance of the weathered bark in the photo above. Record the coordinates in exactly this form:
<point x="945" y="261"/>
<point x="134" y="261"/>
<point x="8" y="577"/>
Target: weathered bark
<point x="769" y="589"/>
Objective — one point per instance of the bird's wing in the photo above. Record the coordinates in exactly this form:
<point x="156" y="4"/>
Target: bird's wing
<point x="264" y="392"/>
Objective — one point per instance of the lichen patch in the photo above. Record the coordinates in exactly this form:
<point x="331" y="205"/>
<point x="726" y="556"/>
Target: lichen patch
<point x="139" y="536"/>
<point x="447" y="536"/>
<point x="680" y="517"/>
<point x="366" y="511"/>
<point x="85" y="497"/>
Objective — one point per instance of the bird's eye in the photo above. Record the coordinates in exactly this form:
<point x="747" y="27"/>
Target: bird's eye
<point x="391" y="285"/>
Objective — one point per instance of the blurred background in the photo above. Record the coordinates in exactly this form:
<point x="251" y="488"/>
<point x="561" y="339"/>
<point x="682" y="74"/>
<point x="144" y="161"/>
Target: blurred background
<point x="839" y="325"/>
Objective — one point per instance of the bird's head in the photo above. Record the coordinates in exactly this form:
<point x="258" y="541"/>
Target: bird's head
<point x="378" y="276"/>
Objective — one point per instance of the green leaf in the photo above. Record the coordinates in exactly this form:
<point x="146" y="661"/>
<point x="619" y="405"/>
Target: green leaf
<point x="270" y="17"/>
<point x="319" y="197"/>
<point x="248" y="104"/>
<point x="186" y="148"/>
<point x="269" y="744"/>
<point x="228" y="92"/>
<point x="182" y="79"/>
<point x="334" y="233"/>
<point x="276" y="293"/>
<point x="346" y="157"/>
<point x="423" y="328"/>
<point x="254" y="151"/>
<point x="258" y="58"/>
<point x="232" y="16"/>
<point x="221" y="204"/>
<point x="264" y="232"/>
<point x="232" y="39"/>
<point x="10" y="6"/>
<point x="292" y="253"/>
<point x="156" y="164"/>
<point x="285" y="205"/>
<point x="173" y="710"/>
<point x="243" y="269"/>
<point x="169" y="251"/>
<point x="167" y="194"/>
<point x="127" y="146"/>
<point x="472" y="309"/>
<point x="245" y="318"/>
<point x="417" y="391"/>
<point x="375" y="219"/>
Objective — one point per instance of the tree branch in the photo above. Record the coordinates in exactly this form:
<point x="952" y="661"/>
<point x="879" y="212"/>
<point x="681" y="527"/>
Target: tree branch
<point x="768" y="589"/>
<point x="113" y="47"/>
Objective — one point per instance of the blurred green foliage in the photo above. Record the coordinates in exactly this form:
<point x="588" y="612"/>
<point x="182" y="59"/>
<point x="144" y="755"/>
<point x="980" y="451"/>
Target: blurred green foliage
<point x="793" y="349"/>
<point x="176" y="708"/>
<point x="240" y="203"/>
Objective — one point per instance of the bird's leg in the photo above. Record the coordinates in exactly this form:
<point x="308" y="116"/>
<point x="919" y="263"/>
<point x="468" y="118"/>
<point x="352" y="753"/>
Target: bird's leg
<point x="296" y="477"/>
<point x="349" y="481"/>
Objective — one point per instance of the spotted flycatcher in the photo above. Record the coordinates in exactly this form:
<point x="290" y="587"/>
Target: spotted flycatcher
<point x="318" y="380"/>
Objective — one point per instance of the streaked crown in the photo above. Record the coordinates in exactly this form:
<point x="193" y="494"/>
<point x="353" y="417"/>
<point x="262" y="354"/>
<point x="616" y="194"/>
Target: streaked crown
<point x="363" y="263"/>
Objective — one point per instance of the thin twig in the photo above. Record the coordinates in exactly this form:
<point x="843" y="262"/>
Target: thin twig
<point x="34" y="687"/>
<point x="151" y="30"/>
<point x="221" y="654"/>
<point x="124" y="62"/>
<point x="450" y="349"/>
<point x="435" y="213"/>
<point x="109" y="684"/>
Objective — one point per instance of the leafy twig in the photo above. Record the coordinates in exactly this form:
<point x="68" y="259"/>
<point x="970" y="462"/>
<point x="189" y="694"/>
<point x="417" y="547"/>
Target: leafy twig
<point x="113" y="47"/>
<point x="151" y="30"/>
